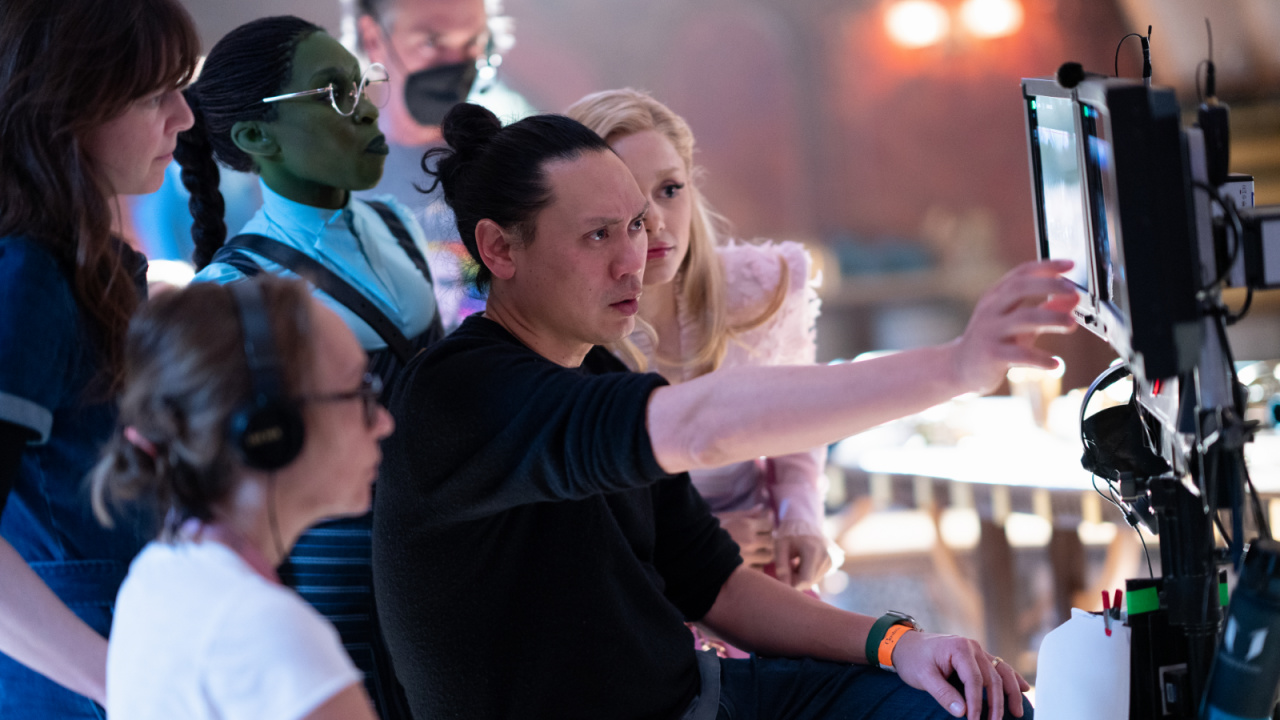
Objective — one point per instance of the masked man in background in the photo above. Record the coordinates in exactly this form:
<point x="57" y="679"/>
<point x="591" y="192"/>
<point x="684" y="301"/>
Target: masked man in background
<point x="438" y="53"/>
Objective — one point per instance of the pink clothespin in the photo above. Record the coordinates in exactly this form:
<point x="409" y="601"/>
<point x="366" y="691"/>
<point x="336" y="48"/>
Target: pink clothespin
<point x="1106" y="612"/>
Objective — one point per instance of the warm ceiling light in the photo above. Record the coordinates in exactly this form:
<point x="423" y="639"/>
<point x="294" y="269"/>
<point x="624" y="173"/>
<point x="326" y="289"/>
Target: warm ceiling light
<point x="917" y="23"/>
<point x="991" y="18"/>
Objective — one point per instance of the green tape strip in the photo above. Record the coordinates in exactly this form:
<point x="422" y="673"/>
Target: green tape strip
<point x="1142" y="601"/>
<point x="1222" y="594"/>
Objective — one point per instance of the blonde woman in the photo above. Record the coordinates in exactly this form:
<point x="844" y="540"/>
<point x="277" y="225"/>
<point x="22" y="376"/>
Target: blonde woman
<point x="709" y="303"/>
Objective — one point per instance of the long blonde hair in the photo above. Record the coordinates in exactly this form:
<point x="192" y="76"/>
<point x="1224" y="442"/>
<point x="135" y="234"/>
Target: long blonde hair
<point x="614" y="114"/>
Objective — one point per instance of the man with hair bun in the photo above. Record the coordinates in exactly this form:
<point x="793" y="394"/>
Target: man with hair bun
<point x="538" y="545"/>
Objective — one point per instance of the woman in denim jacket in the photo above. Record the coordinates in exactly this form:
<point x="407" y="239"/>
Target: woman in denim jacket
<point x="90" y="109"/>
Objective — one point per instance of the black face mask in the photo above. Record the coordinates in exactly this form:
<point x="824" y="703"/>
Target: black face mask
<point x="428" y="94"/>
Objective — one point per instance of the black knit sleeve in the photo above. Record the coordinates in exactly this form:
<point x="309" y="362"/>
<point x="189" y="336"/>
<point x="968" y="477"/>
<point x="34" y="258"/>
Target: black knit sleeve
<point x="485" y="426"/>
<point x="693" y="553"/>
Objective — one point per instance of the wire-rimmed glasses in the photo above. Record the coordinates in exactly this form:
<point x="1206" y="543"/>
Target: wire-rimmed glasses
<point x="368" y="394"/>
<point x="345" y="96"/>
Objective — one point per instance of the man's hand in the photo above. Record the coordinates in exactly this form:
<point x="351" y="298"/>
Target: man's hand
<point x="925" y="661"/>
<point x="1029" y="300"/>
<point x="800" y="560"/>
<point x="753" y="531"/>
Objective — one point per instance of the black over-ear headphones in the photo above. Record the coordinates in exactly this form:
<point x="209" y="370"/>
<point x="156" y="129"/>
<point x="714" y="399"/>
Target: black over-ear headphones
<point x="1116" y="441"/>
<point x="268" y="431"/>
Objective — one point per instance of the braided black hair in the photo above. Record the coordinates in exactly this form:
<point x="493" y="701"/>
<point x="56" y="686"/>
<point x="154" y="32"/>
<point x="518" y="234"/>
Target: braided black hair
<point x="251" y="62"/>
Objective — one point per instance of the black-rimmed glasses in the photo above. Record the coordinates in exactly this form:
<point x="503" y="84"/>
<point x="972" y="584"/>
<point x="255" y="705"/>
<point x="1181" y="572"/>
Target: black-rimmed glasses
<point x="345" y="96"/>
<point x="368" y="394"/>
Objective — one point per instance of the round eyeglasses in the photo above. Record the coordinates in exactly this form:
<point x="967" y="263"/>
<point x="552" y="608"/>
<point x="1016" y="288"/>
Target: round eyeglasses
<point x="344" y="95"/>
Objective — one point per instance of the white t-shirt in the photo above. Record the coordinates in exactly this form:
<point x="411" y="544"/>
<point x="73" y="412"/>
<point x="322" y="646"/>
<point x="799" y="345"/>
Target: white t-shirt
<point x="198" y="634"/>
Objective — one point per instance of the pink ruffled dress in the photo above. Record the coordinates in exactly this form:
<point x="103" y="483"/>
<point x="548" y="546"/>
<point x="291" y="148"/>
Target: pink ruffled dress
<point x="793" y="485"/>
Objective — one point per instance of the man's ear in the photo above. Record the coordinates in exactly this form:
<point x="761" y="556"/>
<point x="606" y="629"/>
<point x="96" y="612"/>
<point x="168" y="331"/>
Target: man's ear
<point x="255" y="138"/>
<point x="371" y="39"/>
<point x="495" y="245"/>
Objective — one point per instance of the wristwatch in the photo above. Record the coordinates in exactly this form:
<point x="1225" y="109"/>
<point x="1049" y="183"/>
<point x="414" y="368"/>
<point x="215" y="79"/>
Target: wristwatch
<point x="884" y="636"/>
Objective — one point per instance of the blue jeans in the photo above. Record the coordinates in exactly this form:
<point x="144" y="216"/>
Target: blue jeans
<point x="24" y="693"/>
<point x="782" y="689"/>
<point x="88" y="587"/>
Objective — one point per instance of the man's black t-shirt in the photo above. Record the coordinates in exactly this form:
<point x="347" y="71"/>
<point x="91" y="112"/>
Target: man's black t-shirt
<point x="531" y="558"/>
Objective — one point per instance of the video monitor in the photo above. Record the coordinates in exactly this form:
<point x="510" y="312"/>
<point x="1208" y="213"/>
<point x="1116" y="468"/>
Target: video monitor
<point x="1112" y="193"/>
<point x="1059" y="184"/>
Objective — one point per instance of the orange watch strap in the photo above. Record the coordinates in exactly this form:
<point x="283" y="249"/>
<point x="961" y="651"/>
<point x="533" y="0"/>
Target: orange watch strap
<point x="884" y="653"/>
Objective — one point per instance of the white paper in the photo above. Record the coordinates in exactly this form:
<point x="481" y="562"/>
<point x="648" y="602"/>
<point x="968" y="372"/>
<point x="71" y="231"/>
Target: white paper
<point x="1082" y="673"/>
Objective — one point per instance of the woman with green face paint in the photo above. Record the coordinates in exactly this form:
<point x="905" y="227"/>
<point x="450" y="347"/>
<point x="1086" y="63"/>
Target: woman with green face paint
<point x="280" y="97"/>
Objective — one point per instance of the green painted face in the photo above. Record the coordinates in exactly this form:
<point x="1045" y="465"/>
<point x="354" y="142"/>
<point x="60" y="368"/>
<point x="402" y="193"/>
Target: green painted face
<point x="313" y="155"/>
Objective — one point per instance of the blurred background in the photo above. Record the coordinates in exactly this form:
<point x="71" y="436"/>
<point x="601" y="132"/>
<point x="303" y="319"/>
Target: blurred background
<point x="888" y="136"/>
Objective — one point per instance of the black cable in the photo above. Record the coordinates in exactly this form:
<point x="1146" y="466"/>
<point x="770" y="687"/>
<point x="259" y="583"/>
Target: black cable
<point x="1109" y="496"/>
<point x="1151" y="571"/>
<point x="1205" y="496"/>
<point x="1210" y="85"/>
<point x="1209" y="29"/>
<point x="1121" y="44"/>
<point x="1231" y="364"/>
<point x="1237" y="228"/>
<point x="1145" y="550"/>
<point x="1130" y="518"/>
<point x="1199" y="95"/>
<point x="1260" y="517"/>
<point x="1233" y="318"/>
<point x="1237" y="225"/>
<point x="1209" y="488"/>
<point x="1102" y="381"/>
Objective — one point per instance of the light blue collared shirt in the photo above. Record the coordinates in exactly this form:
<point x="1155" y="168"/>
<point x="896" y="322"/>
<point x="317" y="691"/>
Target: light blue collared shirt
<point x="356" y="245"/>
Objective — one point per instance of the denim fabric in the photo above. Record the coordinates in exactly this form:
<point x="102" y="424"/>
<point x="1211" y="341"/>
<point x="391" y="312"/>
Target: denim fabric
<point x="47" y="363"/>
<point x="782" y="689"/>
<point x="25" y="693"/>
<point x="48" y="360"/>
<point x="28" y="694"/>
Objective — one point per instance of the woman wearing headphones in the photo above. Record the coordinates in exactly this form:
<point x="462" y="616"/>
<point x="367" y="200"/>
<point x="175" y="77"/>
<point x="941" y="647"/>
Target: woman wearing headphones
<point x="280" y="97"/>
<point x="247" y="415"/>
<point x="90" y="110"/>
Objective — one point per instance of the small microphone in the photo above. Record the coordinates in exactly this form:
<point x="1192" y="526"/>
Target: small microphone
<point x="1146" y="57"/>
<point x="1214" y="120"/>
<point x="1071" y="74"/>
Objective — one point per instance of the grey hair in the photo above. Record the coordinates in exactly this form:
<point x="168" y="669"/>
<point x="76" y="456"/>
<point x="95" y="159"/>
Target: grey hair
<point x="383" y="12"/>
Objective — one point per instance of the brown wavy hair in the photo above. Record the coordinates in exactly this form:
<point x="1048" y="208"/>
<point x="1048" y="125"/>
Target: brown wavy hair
<point x="185" y="376"/>
<point x="66" y="67"/>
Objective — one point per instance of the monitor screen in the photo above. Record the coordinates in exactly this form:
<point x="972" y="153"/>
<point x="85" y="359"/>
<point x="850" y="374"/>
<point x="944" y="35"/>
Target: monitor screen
<point x="1061" y="184"/>
<point x="1101" y="165"/>
<point x="1112" y="194"/>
